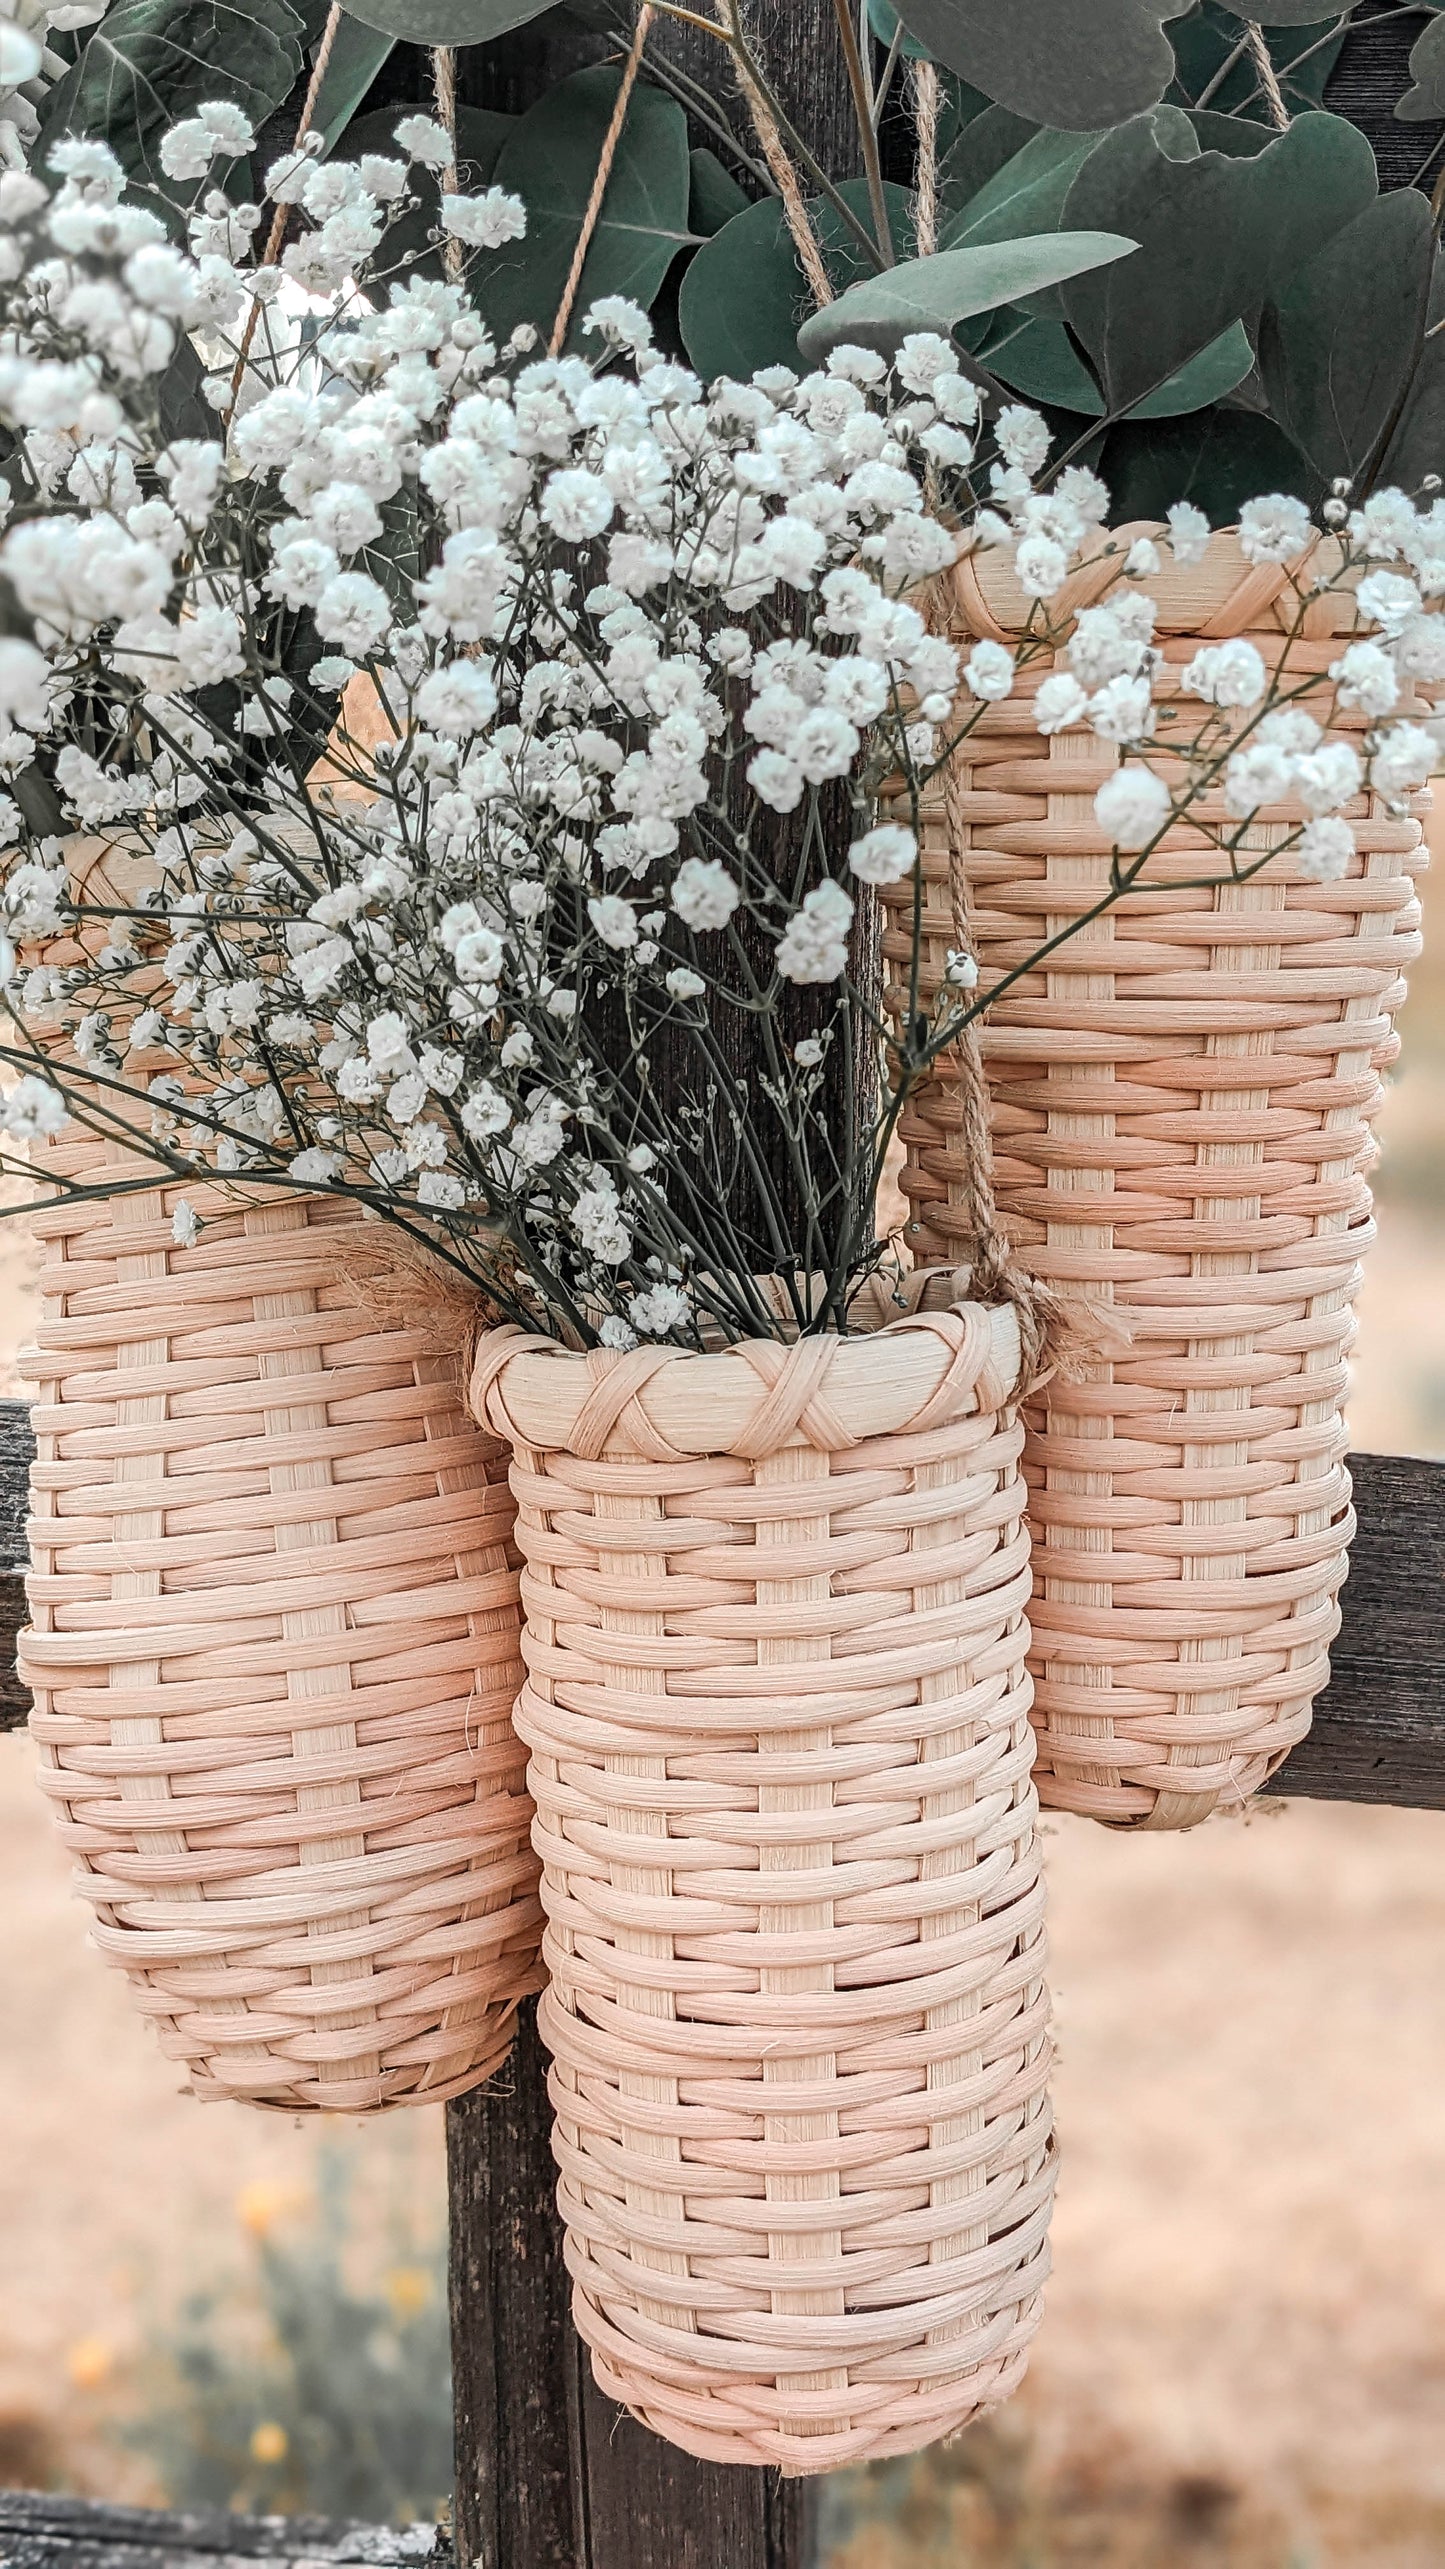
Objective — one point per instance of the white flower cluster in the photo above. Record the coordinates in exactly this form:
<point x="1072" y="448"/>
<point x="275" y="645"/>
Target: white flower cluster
<point x="485" y="730"/>
<point x="1264" y="753"/>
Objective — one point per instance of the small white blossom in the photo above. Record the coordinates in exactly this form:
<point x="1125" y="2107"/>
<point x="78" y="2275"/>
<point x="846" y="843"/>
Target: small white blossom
<point x="1368" y="678"/>
<point x="814" y="946"/>
<point x="704" y="894"/>
<point x="1060" y="702"/>
<point x="1275" y="529"/>
<point x="1226" y="673"/>
<point x="989" y="672"/>
<point x="485" y="222"/>
<point x="1326" y="848"/>
<point x="614" y="919"/>
<point x="1404" y="760"/>
<point x="1328" y="776"/>
<point x="1023" y="437"/>
<point x="1188" y="533"/>
<point x="1131" y="807"/>
<point x="422" y="139"/>
<point x="1389" y="600"/>
<point x="885" y="855"/>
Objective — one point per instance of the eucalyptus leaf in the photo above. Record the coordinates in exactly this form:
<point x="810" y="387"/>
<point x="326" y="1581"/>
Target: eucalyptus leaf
<point x="182" y="405"/>
<point x="1417" y="446"/>
<point x="1027" y="195"/>
<point x="937" y="292"/>
<point x="1079" y="64"/>
<point x="1338" y="349"/>
<point x="744" y="294"/>
<point x="1423" y="104"/>
<point x="152" y="62"/>
<point x="550" y="160"/>
<point x="987" y="143"/>
<point x="447" y="22"/>
<point x="1279" y="13"/>
<point x="714" y="195"/>
<point x="883" y="20"/>
<point x="1038" y="359"/>
<point x="1041" y="361"/>
<point x="1207" y="52"/>
<point x="1218" y="237"/>
<point x="1207" y="378"/>
<point x="37" y="795"/>
<point x="1217" y="458"/>
<point x="357" y="55"/>
<point x="1238" y="137"/>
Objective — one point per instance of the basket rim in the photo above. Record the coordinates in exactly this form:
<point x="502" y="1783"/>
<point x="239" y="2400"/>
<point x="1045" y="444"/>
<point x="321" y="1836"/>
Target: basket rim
<point x="912" y="1370"/>
<point x="1219" y="595"/>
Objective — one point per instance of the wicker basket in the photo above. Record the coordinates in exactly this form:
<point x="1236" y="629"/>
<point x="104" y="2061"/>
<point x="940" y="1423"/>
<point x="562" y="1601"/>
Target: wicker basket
<point x="777" y="1708"/>
<point x="274" y="1651"/>
<point x="1181" y="1108"/>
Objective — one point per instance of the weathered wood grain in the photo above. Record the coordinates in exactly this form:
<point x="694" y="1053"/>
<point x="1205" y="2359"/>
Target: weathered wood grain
<point x="71" y="2533"/>
<point x="1379" y="1730"/>
<point x="550" y="2475"/>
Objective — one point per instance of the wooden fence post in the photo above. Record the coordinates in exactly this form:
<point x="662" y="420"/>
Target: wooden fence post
<point x="549" y="2474"/>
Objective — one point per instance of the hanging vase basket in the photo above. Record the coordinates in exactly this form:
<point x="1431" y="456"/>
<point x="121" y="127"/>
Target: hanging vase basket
<point x="1181" y="1103"/>
<point x="777" y="1708"/>
<point x="274" y="1645"/>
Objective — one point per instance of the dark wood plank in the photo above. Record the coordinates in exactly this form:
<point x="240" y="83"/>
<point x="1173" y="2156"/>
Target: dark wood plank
<point x="1379" y="1728"/>
<point x="550" y="2475"/>
<point x="515" y="2376"/>
<point x="1370" y="78"/>
<point x="70" y="2533"/>
<point x="17" y="1446"/>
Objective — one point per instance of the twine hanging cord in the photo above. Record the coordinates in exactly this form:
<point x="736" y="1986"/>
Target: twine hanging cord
<point x="1054" y="1336"/>
<point x="282" y="216"/>
<point x="607" y="156"/>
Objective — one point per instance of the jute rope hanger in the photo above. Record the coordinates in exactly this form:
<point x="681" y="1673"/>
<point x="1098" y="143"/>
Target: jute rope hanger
<point x="282" y="215"/>
<point x="1259" y="55"/>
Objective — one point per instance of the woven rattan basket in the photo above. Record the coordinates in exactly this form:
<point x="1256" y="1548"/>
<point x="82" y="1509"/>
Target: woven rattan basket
<point x="777" y="1708"/>
<point x="1181" y="1108"/>
<point x="274" y="1649"/>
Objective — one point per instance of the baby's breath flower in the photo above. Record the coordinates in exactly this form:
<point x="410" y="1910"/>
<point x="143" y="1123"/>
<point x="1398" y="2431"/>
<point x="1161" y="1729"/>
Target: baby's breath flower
<point x="644" y="650"/>
<point x="422" y="139"/>
<point x="1131" y="807"/>
<point x="485" y="222"/>
<point x="885" y="855"/>
<point x="989" y="671"/>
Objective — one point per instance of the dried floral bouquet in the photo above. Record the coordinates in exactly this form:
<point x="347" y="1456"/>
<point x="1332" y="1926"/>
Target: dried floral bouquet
<point x="495" y="920"/>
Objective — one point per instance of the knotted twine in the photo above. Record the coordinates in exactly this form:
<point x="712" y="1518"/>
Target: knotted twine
<point x="1048" y="1329"/>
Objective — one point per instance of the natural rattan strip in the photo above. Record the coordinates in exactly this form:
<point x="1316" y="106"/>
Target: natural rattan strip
<point x="778" y="1713"/>
<point x="275" y="1649"/>
<point x="1181" y="1109"/>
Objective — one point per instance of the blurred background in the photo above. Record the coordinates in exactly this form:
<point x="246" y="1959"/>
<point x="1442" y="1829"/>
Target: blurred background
<point x="1243" y="2363"/>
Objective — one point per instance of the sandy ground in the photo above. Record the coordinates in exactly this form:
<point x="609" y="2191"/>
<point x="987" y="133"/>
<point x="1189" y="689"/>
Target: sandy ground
<point x="1249" y="2251"/>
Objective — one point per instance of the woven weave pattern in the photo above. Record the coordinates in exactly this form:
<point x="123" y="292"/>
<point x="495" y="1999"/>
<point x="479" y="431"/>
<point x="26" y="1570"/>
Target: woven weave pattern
<point x="777" y="1707"/>
<point x="274" y="1652"/>
<point x="1181" y="1108"/>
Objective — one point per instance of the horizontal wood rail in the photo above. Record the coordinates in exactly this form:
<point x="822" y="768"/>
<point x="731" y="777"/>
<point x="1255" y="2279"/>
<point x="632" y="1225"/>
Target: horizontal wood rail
<point x="44" y="2532"/>
<point x="549" y="2475"/>
<point x="1379" y="1730"/>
